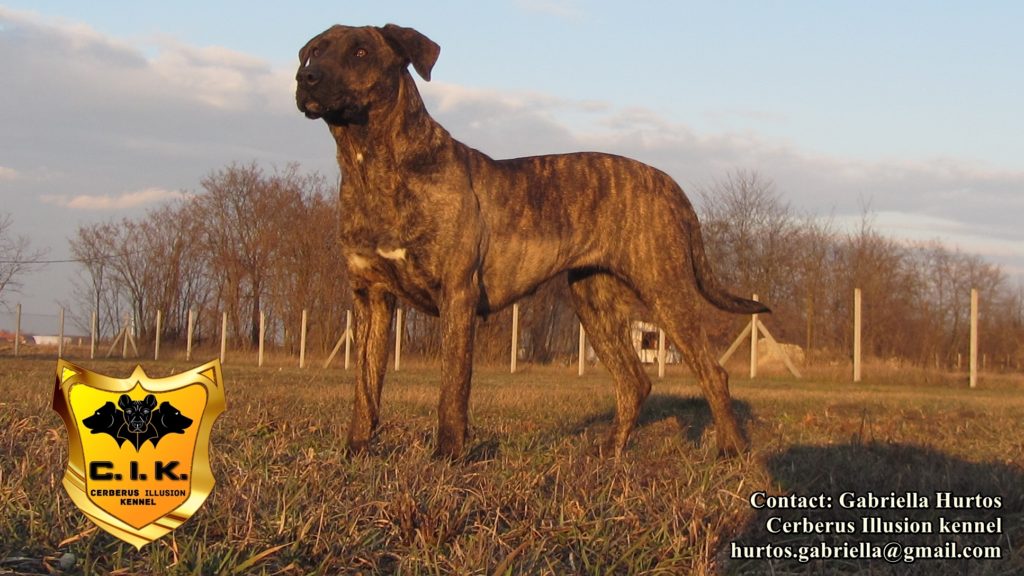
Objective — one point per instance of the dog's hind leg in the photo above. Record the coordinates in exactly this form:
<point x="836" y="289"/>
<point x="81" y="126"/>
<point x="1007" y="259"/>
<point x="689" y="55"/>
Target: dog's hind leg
<point x="602" y="302"/>
<point x="678" y="311"/>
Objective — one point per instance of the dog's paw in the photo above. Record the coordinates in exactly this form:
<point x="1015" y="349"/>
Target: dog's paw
<point x="448" y="448"/>
<point x="732" y="447"/>
<point x="356" y="447"/>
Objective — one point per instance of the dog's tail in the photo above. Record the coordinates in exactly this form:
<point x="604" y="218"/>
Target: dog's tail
<point x="708" y="284"/>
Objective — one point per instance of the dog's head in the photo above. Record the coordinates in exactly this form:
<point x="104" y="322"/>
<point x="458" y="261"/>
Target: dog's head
<point x="137" y="413"/>
<point x="169" y="419"/>
<point x="105" y="419"/>
<point x="344" y="72"/>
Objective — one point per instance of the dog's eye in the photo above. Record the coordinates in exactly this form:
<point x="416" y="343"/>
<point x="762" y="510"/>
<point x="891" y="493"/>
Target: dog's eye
<point x="360" y="53"/>
<point x="315" y="52"/>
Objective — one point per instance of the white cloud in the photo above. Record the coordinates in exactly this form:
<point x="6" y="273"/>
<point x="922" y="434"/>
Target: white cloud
<point x="77" y="35"/>
<point x="107" y="202"/>
<point x="98" y="67"/>
<point x="447" y="97"/>
<point x="220" y="77"/>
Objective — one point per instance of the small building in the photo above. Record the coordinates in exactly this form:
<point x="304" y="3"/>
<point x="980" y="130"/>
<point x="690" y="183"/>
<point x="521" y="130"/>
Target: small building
<point x="645" y="342"/>
<point x="51" y="340"/>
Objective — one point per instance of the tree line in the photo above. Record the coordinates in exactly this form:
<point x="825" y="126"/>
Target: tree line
<point x="916" y="295"/>
<point x="249" y="242"/>
<point x="253" y="241"/>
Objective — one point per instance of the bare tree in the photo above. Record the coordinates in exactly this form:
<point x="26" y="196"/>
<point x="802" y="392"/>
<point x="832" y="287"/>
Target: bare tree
<point x="17" y="258"/>
<point x="241" y="234"/>
<point x="306" y="269"/>
<point x="753" y="237"/>
<point x="816" y="257"/>
<point x="95" y="289"/>
<point x="751" y="229"/>
<point x="883" y="270"/>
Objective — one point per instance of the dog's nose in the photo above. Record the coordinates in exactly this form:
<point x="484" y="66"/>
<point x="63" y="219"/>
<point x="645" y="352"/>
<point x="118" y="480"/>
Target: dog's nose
<point x="309" y="76"/>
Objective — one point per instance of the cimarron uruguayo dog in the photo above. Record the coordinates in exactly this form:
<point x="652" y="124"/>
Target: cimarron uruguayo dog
<point x="457" y="234"/>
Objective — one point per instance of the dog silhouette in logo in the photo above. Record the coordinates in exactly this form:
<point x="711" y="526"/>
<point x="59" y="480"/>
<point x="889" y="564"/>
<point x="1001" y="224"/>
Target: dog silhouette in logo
<point x="106" y="420"/>
<point x="168" y="419"/>
<point x="137" y="421"/>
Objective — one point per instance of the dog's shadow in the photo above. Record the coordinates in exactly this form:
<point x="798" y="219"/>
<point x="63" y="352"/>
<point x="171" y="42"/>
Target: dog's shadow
<point x="691" y="413"/>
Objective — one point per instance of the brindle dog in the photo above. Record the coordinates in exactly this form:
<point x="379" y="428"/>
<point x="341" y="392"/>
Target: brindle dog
<point x="457" y="234"/>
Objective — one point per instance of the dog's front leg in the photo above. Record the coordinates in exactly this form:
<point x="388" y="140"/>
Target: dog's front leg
<point x="458" y="321"/>
<point x="374" y="308"/>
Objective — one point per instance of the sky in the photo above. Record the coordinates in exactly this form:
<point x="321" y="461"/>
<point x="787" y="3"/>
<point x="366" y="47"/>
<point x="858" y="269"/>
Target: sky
<point x="912" y="108"/>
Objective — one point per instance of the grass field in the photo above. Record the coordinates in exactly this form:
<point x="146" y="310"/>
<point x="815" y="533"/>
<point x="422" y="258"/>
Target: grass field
<point x="536" y="496"/>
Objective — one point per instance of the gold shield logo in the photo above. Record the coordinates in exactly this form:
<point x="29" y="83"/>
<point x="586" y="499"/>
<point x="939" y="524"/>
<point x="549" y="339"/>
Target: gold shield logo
<point x="138" y="448"/>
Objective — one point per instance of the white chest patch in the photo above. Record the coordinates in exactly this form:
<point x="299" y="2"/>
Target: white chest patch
<point x="392" y="254"/>
<point x="357" y="262"/>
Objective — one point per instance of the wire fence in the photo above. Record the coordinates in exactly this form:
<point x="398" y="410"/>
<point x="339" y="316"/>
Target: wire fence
<point x="649" y="343"/>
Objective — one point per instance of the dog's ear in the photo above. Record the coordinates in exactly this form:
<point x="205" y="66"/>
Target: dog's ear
<point x="150" y="401"/>
<point x="304" y="51"/>
<point x="124" y="401"/>
<point x="416" y="48"/>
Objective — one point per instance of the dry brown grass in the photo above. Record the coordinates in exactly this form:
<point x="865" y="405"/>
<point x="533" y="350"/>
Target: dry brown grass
<point x="535" y="496"/>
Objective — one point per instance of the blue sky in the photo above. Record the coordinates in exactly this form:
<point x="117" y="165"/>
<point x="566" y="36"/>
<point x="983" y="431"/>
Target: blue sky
<point x="869" y="79"/>
<point x="110" y="107"/>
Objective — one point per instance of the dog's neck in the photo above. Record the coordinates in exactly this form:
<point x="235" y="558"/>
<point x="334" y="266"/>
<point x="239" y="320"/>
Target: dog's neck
<point x="394" y="134"/>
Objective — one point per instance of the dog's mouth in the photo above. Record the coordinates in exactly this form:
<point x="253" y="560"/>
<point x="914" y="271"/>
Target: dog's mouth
<point x="312" y="109"/>
<point x="340" y="115"/>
